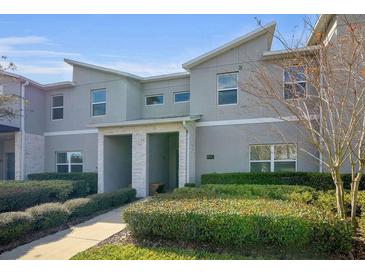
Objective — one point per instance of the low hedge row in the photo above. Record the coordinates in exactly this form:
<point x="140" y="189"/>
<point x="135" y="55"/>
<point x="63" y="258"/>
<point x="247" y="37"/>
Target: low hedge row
<point x="320" y="181"/>
<point x="87" y="182"/>
<point x="241" y="223"/>
<point x="14" y="225"/>
<point x="18" y="195"/>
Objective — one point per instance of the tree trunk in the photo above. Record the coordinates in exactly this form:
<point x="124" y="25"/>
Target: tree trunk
<point x="354" y="191"/>
<point x="340" y="195"/>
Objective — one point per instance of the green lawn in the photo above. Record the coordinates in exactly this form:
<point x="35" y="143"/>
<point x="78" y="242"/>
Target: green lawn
<point x="132" y="252"/>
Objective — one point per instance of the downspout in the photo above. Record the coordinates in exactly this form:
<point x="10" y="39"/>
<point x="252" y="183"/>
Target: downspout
<point x="187" y="161"/>
<point x="321" y="121"/>
<point x="22" y="130"/>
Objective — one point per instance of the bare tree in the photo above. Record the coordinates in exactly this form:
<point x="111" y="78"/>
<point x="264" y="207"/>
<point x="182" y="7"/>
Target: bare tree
<point x="8" y="109"/>
<point x="324" y="93"/>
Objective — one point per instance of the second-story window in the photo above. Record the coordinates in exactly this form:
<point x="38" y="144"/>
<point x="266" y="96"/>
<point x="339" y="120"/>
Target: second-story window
<point x="57" y="107"/>
<point x="181" y="97"/>
<point x="98" y="102"/>
<point x="295" y="82"/>
<point x="227" y="86"/>
<point x="154" y="100"/>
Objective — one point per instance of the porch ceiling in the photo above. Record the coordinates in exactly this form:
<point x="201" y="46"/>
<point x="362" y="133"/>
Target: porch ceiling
<point x="148" y="121"/>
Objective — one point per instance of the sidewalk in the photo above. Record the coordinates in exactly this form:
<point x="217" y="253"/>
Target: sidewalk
<point x="64" y="244"/>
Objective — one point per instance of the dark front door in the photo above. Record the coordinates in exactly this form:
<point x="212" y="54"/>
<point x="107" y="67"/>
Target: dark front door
<point x="10" y="166"/>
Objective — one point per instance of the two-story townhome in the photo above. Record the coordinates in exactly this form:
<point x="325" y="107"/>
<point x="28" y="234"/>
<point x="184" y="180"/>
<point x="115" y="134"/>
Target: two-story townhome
<point x="167" y="129"/>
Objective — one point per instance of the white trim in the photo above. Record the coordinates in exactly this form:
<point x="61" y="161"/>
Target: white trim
<point x="227" y="89"/>
<point x="71" y="132"/>
<point x="179" y="92"/>
<point x="246" y="121"/>
<point x="154" y="95"/>
<point x="272" y="160"/>
<point x="52" y="107"/>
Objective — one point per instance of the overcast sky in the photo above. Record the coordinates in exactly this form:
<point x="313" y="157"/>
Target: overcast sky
<point x="141" y="44"/>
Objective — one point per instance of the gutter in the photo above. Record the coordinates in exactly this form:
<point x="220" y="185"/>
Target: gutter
<point x="22" y="129"/>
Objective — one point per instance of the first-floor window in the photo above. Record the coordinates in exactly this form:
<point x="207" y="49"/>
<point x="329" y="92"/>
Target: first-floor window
<point x="269" y="158"/>
<point x="69" y="162"/>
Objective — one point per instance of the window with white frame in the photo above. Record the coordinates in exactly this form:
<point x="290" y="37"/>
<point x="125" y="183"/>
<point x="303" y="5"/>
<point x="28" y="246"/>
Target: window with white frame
<point x="227" y="88"/>
<point x="152" y="100"/>
<point x="69" y="162"/>
<point x="57" y="107"/>
<point x="98" y="102"/>
<point x="181" y="97"/>
<point x="295" y="82"/>
<point x="270" y="158"/>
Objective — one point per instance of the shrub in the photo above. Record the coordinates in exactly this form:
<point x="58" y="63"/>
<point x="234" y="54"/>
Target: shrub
<point x="48" y="215"/>
<point x="278" y="192"/>
<point x="86" y="183"/>
<point x="13" y="225"/>
<point x="190" y="185"/>
<point x="320" y="181"/>
<point x="240" y="223"/>
<point x="80" y="207"/>
<point x="87" y="206"/>
<point x="18" y="195"/>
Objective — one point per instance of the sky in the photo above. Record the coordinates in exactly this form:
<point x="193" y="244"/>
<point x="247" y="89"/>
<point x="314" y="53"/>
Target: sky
<point x="145" y="45"/>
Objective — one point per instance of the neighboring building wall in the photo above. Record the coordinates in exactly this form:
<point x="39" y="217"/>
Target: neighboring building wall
<point x="11" y="86"/>
<point x="167" y="89"/>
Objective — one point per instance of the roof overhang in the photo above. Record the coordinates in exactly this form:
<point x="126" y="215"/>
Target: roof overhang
<point x="268" y="55"/>
<point x="268" y="28"/>
<point x="141" y="122"/>
<point x="46" y="87"/>
<point x="319" y="27"/>
<point x="4" y="128"/>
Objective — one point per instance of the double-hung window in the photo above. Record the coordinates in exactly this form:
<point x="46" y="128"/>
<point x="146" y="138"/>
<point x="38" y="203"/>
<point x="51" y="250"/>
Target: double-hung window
<point x="152" y="100"/>
<point x="69" y="162"/>
<point x="57" y="107"/>
<point x="98" y="102"/>
<point x="181" y="97"/>
<point x="295" y="82"/>
<point x="227" y="88"/>
<point x="270" y="158"/>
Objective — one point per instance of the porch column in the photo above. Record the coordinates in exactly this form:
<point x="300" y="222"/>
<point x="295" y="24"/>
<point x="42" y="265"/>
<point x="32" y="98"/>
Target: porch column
<point x="18" y="155"/>
<point x="140" y="163"/>
<point x="182" y="157"/>
<point x="100" y="162"/>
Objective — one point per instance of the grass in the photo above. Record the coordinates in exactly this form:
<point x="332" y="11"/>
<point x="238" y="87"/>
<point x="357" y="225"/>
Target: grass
<point x="133" y="252"/>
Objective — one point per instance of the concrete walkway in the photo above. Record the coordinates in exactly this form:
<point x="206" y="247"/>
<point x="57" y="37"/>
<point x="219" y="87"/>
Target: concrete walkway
<point x="64" y="244"/>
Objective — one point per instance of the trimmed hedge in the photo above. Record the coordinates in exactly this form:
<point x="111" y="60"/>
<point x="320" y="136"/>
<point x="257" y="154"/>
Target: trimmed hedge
<point x="320" y="181"/>
<point x="87" y="206"/>
<point x="48" y="215"/>
<point x="86" y="182"/>
<point x="240" y="223"/>
<point x="19" y="195"/>
<point x="15" y="225"/>
<point x="304" y="194"/>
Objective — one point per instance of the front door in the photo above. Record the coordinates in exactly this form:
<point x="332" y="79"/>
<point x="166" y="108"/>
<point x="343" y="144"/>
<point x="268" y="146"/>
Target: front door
<point x="10" y="166"/>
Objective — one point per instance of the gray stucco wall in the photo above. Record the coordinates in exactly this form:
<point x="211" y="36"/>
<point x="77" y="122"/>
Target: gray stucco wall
<point x="117" y="162"/>
<point x="167" y="89"/>
<point x="230" y="146"/>
<point x="86" y="143"/>
<point x="35" y="110"/>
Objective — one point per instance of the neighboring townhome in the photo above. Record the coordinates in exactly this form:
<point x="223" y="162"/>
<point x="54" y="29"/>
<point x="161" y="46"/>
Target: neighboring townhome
<point x="167" y="129"/>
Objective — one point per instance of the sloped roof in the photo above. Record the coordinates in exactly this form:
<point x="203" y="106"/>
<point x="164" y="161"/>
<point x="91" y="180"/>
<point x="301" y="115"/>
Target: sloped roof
<point x="46" y="87"/>
<point x="270" y="27"/>
<point x="320" y="26"/>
